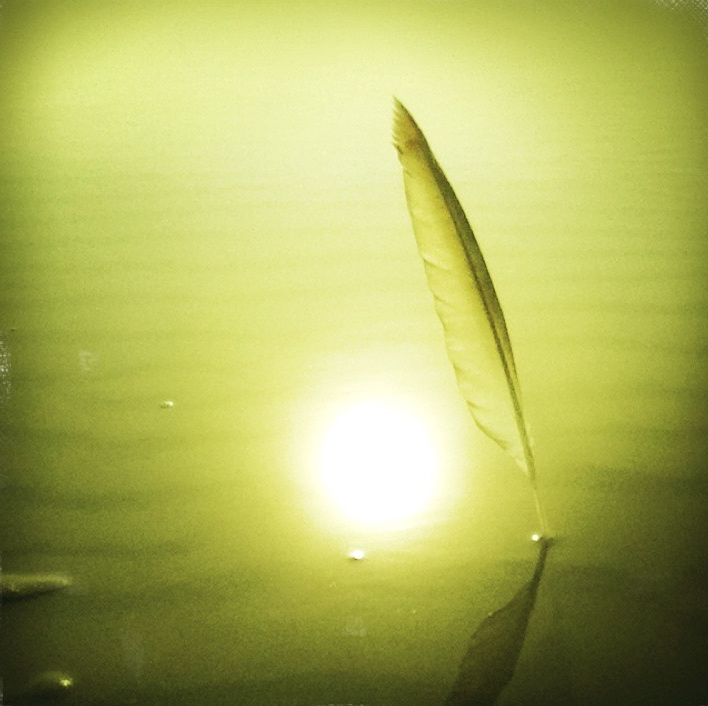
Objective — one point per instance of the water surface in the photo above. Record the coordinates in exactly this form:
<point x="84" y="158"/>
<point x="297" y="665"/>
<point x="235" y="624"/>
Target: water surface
<point x="201" y="207"/>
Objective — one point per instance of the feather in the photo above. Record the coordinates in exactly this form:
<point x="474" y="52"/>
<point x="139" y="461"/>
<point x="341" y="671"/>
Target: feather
<point x="480" y="351"/>
<point x="476" y="335"/>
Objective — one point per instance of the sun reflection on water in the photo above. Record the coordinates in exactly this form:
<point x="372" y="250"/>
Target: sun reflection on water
<point x="379" y="462"/>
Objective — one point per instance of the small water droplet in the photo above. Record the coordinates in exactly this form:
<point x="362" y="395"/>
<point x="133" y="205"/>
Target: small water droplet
<point x="357" y="554"/>
<point x="51" y="684"/>
<point x="167" y="404"/>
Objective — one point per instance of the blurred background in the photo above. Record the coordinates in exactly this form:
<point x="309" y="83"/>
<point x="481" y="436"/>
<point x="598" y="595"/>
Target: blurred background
<point x="223" y="383"/>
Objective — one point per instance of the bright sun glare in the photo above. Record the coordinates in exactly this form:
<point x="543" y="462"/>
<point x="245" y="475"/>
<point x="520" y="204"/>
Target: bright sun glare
<point x="378" y="462"/>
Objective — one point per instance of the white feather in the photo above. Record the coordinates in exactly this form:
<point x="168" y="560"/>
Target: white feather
<point x="475" y="331"/>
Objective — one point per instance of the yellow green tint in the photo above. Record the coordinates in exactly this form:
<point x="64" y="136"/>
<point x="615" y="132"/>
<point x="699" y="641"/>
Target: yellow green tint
<point x="200" y="204"/>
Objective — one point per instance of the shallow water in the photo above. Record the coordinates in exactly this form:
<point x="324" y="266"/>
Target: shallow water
<point x="201" y="206"/>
